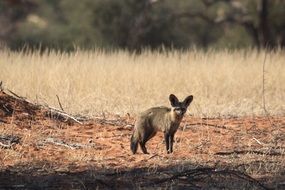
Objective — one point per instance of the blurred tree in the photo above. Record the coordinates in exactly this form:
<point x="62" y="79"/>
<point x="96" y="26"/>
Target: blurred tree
<point x="138" y="24"/>
<point x="257" y="17"/>
<point x="59" y="24"/>
<point x="182" y="24"/>
<point x="12" y="12"/>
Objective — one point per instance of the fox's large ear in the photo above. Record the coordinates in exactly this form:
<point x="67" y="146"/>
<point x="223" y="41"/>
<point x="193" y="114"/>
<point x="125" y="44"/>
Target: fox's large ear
<point x="188" y="101"/>
<point x="173" y="100"/>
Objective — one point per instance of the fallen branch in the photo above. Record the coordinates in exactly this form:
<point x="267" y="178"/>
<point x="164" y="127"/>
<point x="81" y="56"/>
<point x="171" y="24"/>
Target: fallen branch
<point x="59" y="143"/>
<point x="112" y="122"/>
<point x="7" y="109"/>
<point x="62" y="144"/>
<point x="276" y="163"/>
<point x="6" y="145"/>
<point x="7" y="141"/>
<point x="243" y="176"/>
<point x="199" y="174"/>
<point x="210" y="125"/>
<point x="67" y="145"/>
<point x="23" y="99"/>
<point x="54" y="112"/>
<point x="61" y="114"/>
<point x="271" y="152"/>
<point x="3" y="121"/>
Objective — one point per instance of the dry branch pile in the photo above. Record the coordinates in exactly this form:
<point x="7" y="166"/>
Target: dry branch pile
<point x="9" y="104"/>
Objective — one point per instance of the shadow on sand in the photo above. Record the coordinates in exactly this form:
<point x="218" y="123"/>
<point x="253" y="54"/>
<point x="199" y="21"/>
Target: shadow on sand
<point x="36" y="176"/>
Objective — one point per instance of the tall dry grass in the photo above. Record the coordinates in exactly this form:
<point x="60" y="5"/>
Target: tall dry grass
<point x="93" y="82"/>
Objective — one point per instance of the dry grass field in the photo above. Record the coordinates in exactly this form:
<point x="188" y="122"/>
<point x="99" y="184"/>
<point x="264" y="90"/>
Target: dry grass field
<point x="224" y="83"/>
<point x="226" y="141"/>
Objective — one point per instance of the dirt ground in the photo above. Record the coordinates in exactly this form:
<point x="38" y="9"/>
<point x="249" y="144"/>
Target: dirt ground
<point x="43" y="149"/>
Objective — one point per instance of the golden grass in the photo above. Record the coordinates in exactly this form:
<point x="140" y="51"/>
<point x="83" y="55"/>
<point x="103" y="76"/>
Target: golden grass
<point x="92" y="82"/>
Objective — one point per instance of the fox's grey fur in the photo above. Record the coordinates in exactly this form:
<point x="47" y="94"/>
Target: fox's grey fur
<point x="162" y="119"/>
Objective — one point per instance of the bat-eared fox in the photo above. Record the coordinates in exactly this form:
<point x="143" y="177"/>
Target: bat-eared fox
<point x="162" y="119"/>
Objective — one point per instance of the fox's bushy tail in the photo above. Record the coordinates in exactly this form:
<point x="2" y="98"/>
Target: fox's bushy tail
<point x="134" y="143"/>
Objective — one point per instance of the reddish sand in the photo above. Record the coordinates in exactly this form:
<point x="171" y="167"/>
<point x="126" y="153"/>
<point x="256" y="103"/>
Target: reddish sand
<point x="49" y="144"/>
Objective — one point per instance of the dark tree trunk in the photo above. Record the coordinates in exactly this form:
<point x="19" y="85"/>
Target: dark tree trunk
<point x="139" y="26"/>
<point x="265" y="36"/>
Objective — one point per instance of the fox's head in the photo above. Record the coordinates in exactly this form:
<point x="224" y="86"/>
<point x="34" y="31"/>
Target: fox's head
<point x="179" y="108"/>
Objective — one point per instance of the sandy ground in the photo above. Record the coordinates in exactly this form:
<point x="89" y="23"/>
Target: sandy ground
<point x="44" y="150"/>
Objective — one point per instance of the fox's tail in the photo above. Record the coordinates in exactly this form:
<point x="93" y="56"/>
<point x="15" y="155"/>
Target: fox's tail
<point x="134" y="143"/>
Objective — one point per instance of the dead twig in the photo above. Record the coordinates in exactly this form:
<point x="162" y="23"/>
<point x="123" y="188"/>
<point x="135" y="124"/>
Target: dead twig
<point x="263" y="85"/>
<point x="263" y="91"/>
<point x="16" y="95"/>
<point x="152" y="156"/>
<point x="60" y="105"/>
<point x="258" y="141"/>
<point x="1" y="87"/>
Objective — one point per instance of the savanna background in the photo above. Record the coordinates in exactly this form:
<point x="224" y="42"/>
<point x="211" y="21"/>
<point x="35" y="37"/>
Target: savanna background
<point x="74" y="75"/>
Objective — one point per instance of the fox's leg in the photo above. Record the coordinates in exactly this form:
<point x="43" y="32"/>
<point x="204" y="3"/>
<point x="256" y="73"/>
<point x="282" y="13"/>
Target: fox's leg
<point x="145" y="137"/>
<point x="171" y="139"/>
<point x="142" y="145"/>
<point x="167" y="140"/>
<point x="134" y="143"/>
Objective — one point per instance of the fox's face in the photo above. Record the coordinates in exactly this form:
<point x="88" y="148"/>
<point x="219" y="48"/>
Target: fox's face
<point x="179" y="108"/>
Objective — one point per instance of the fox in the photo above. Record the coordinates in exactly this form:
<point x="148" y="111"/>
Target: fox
<point x="155" y="119"/>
